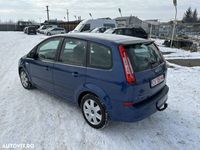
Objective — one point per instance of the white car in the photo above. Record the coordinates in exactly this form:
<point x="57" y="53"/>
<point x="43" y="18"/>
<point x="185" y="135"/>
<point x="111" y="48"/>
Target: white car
<point x="53" y="31"/>
<point x="43" y="28"/>
<point x="87" y="25"/>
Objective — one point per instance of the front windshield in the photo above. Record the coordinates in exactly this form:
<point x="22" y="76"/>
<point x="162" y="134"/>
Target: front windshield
<point x="109" y="31"/>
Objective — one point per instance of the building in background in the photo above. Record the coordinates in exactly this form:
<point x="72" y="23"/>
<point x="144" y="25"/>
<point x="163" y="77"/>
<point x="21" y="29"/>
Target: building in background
<point x="8" y="26"/>
<point x="165" y="29"/>
<point x="153" y="27"/>
<point x="188" y="29"/>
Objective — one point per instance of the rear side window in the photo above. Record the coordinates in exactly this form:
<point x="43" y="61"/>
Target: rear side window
<point x="139" y="33"/>
<point x="143" y="56"/>
<point x="119" y="31"/>
<point x="60" y="29"/>
<point x="74" y="52"/>
<point x="99" y="56"/>
<point x="128" y="32"/>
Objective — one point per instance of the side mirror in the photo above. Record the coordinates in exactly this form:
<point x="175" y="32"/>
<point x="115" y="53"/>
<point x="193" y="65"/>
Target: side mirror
<point x="32" y="55"/>
<point x="36" y="56"/>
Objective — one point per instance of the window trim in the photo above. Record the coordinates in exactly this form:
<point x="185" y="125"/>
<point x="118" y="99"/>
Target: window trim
<point x="62" y="49"/>
<point x="88" y="57"/>
<point x="57" y="50"/>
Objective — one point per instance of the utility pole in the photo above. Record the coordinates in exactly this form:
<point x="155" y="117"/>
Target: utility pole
<point x="75" y="17"/>
<point x="151" y="27"/>
<point x="67" y="15"/>
<point x="47" y="13"/>
<point x="90" y="15"/>
<point x="174" y="27"/>
<point x="120" y="11"/>
<point x="68" y="20"/>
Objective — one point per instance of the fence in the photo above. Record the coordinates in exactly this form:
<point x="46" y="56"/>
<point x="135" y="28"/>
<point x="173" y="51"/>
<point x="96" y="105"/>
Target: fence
<point x="8" y="27"/>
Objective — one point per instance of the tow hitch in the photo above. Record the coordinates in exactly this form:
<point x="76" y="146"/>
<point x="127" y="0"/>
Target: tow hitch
<point x="162" y="108"/>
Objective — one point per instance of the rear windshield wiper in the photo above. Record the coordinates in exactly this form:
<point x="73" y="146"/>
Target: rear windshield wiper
<point x="153" y="63"/>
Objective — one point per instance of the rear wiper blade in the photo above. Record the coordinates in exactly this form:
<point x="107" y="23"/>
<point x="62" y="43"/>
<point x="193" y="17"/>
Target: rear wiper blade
<point x="153" y="63"/>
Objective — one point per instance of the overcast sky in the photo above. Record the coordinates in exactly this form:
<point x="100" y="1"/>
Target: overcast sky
<point x="144" y="9"/>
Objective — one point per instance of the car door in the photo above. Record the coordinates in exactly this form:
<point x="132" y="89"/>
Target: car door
<point x="69" y="72"/>
<point x="41" y="67"/>
<point x="57" y="31"/>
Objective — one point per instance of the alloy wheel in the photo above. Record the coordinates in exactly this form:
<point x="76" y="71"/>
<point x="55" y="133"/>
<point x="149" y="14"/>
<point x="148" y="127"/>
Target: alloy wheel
<point x="92" y="112"/>
<point x="24" y="79"/>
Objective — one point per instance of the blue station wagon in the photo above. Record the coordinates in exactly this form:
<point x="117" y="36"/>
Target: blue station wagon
<point x="110" y="77"/>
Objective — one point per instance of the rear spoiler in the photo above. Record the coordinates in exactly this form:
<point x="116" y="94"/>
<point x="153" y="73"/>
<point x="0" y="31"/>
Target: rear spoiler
<point x="146" y="42"/>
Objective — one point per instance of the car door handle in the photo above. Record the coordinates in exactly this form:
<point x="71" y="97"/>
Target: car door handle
<point x="47" y="68"/>
<point x="75" y="74"/>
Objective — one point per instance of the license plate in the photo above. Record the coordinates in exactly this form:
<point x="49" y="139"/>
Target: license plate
<point x="157" y="80"/>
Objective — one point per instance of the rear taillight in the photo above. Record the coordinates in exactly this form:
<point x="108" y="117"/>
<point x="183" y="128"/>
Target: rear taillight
<point x="130" y="77"/>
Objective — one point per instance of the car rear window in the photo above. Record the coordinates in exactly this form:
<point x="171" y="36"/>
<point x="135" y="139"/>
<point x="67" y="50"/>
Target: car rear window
<point x="143" y="56"/>
<point x="32" y="28"/>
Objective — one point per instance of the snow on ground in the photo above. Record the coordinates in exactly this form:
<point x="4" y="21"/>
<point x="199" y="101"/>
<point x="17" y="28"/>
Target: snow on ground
<point x="52" y="123"/>
<point x="174" y="53"/>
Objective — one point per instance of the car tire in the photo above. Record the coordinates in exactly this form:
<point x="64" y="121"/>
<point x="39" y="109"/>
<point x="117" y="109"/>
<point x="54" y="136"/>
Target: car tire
<point x="93" y="111"/>
<point x="25" y="80"/>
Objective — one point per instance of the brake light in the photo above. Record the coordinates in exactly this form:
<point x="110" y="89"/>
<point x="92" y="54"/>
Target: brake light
<point x="130" y="77"/>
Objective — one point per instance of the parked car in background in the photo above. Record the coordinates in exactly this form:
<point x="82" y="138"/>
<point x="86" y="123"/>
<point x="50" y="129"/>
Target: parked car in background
<point x="90" y="24"/>
<point x="30" y="30"/>
<point x="45" y="27"/>
<point x="135" y="32"/>
<point x="25" y="29"/>
<point x="110" y="31"/>
<point x="53" y="31"/>
<point x="99" y="30"/>
<point x="110" y="77"/>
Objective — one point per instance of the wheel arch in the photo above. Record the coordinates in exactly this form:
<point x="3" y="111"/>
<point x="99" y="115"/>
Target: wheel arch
<point x="19" y="69"/>
<point x="81" y="95"/>
<point x="96" y="91"/>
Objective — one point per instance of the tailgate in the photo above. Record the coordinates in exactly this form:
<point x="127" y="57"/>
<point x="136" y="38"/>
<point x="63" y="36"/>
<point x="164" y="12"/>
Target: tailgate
<point x="149" y="69"/>
<point x="143" y="88"/>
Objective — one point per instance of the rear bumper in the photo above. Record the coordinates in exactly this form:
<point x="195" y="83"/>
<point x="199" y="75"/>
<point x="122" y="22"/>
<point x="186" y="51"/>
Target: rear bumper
<point x="140" y="110"/>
